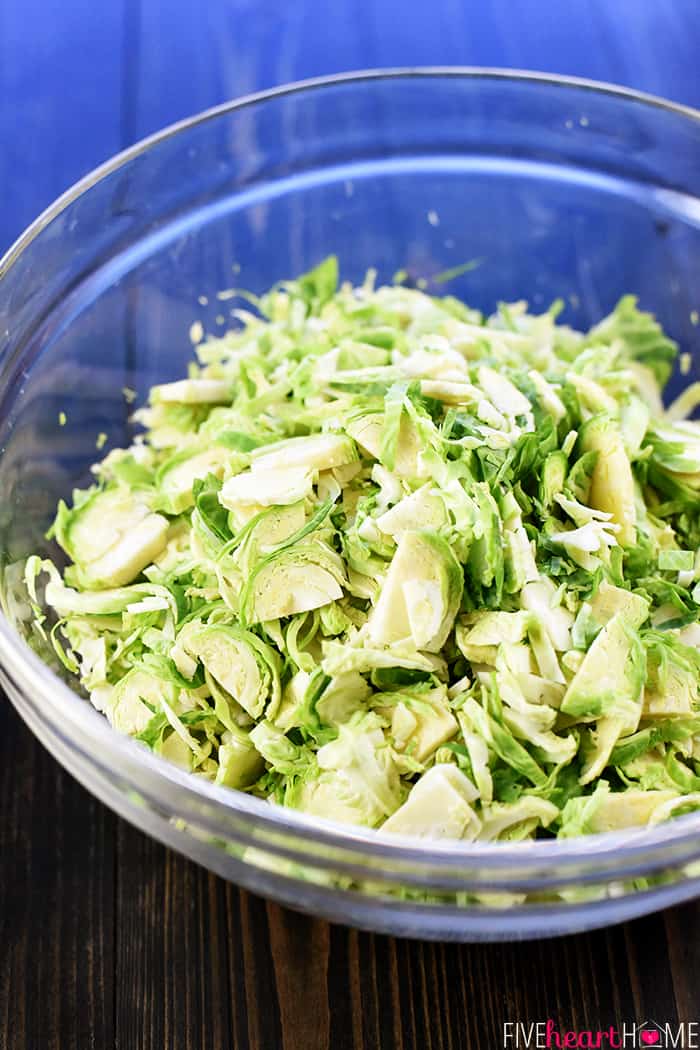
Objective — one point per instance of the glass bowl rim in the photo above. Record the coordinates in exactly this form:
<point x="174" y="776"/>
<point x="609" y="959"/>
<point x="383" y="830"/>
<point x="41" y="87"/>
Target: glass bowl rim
<point x="25" y="667"/>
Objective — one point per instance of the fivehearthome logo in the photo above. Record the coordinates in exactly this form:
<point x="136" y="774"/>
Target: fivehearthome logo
<point x="647" y="1035"/>
<point x="653" y="1035"/>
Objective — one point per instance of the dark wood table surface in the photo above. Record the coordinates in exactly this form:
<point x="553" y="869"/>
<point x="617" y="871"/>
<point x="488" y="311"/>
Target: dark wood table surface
<point x="110" y="940"/>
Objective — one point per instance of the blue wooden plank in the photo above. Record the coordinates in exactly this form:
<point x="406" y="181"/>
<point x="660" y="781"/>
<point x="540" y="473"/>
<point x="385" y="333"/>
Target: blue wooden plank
<point x="60" y="100"/>
<point x="206" y="54"/>
<point x="198" y="56"/>
<point x="209" y="53"/>
<point x="639" y="43"/>
<point x="79" y="79"/>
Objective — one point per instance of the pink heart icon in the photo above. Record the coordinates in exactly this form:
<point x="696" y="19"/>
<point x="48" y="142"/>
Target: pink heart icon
<point x="649" y="1037"/>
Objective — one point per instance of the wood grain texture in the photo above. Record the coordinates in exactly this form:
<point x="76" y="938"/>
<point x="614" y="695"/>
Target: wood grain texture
<point x="56" y="902"/>
<point x="61" y="79"/>
<point x="109" y="940"/>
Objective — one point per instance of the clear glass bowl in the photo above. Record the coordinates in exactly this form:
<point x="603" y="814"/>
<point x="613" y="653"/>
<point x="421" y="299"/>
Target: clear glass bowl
<point x="560" y="188"/>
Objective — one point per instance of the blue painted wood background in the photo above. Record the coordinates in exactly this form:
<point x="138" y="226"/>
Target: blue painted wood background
<point x="81" y="79"/>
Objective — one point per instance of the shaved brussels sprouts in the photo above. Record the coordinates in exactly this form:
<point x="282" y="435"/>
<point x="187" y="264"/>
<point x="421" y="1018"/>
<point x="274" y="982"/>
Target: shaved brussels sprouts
<point x="388" y="561"/>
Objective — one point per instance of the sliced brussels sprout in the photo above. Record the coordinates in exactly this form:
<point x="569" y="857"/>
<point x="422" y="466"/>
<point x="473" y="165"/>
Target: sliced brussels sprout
<point x="677" y="696"/>
<point x="123" y="562"/>
<point x="136" y="698"/>
<point x="292" y="702"/>
<point x="438" y="807"/>
<point x="316" y="452"/>
<point x="368" y="431"/>
<point x="69" y="602"/>
<point x="279" y="752"/>
<point x="480" y="634"/>
<point x="611" y="678"/>
<point x="423" y="509"/>
<point x="451" y="391"/>
<point x="598" y="744"/>
<point x="422" y="722"/>
<point x="514" y="821"/>
<point x="176" y="478"/>
<point x="358" y="781"/>
<point x="553" y="479"/>
<point x="519" y="550"/>
<point x="342" y="698"/>
<point x="672" y="682"/>
<point x="609" y="600"/>
<point x="606" y="810"/>
<point x="244" y="666"/>
<point x="532" y="724"/>
<point x="302" y="577"/>
<point x="502" y="393"/>
<point x="420" y="595"/>
<point x="548" y="395"/>
<point x="276" y="525"/>
<point x="612" y="482"/>
<point x="541" y="598"/>
<point x="479" y="757"/>
<point x="192" y="392"/>
<point x="634" y="423"/>
<point x="111" y="535"/>
<point x="173" y="748"/>
<point x="240" y="763"/>
<point x="341" y="657"/>
<point x="676" y="448"/>
<point x="267" y="488"/>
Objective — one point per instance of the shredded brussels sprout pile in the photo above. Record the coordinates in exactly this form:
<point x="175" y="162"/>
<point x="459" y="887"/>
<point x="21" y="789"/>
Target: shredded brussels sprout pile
<point x="387" y="561"/>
